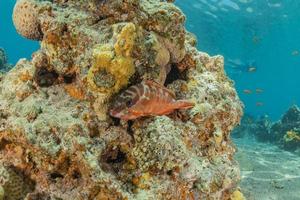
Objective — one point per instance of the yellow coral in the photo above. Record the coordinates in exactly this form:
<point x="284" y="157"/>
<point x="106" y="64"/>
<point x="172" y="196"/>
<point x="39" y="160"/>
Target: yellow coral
<point x="237" y="195"/>
<point x="125" y="40"/>
<point x="113" y="65"/>
<point x="292" y="136"/>
<point x="141" y="181"/>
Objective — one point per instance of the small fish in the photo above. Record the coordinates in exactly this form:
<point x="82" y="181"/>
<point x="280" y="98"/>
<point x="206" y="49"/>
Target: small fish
<point x="247" y="91"/>
<point x="256" y="39"/>
<point x="259" y="91"/>
<point x="295" y="53"/>
<point x="259" y="104"/>
<point x="251" y="69"/>
<point x="146" y="99"/>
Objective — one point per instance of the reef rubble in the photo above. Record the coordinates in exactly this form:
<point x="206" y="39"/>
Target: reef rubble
<point x="57" y="140"/>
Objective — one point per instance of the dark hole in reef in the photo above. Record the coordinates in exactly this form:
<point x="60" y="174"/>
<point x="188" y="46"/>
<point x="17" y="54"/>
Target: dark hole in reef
<point x="69" y="78"/>
<point x="112" y="160"/>
<point x="93" y="129"/>
<point x="55" y="175"/>
<point x="117" y="157"/>
<point x="173" y="75"/>
<point x="129" y="127"/>
<point x="76" y="174"/>
<point x="3" y="143"/>
<point x="44" y="77"/>
<point x="170" y="172"/>
<point x="116" y="121"/>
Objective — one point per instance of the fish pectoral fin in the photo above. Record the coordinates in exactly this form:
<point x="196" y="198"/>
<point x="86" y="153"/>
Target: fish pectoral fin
<point x="134" y="112"/>
<point x="184" y="104"/>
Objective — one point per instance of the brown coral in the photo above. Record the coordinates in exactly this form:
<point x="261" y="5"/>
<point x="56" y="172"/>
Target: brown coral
<point x="25" y="18"/>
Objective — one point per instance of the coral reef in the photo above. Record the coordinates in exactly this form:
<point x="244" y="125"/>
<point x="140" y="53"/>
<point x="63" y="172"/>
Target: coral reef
<point x="4" y="65"/>
<point x="55" y="130"/>
<point x="291" y="140"/>
<point x="257" y="128"/>
<point x="285" y="133"/>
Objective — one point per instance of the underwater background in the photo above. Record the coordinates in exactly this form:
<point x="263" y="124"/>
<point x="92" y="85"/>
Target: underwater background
<point x="262" y="33"/>
<point x="260" y="42"/>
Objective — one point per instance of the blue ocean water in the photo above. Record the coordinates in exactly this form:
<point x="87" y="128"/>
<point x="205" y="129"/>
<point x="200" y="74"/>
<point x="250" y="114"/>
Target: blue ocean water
<point x="15" y="46"/>
<point x="263" y="34"/>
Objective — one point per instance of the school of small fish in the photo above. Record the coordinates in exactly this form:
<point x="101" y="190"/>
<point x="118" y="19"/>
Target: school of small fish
<point x="147" y="98"/>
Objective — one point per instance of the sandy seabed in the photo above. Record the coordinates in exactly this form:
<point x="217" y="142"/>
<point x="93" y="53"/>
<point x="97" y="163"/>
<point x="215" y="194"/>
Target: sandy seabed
<point x="268" y="173"/>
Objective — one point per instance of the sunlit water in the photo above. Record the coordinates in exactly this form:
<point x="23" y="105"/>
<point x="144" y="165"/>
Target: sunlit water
<point x="264" y="33"/>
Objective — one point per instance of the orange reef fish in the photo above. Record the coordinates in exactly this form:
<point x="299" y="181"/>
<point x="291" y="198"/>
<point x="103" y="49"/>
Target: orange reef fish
<point x="146" y="99"/>
<point x="247" y="91"/>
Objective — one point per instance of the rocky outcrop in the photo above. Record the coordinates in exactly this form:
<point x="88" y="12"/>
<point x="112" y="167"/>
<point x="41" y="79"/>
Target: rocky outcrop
<point x="55" y="128"/>
<point x="285" y="133"/>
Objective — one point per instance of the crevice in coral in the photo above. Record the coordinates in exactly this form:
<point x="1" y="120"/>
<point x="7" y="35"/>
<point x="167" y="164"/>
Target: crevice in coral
<point x="174" y="75"/>
<point x="116" y="121"/>
<point x="69" y="78"/>
<point x="56" y="175"/>
<point x="112" y="159"/>
<point x="76" y="174"/>
<point x="45" y="77"/>
<point x="129" y="127"/>
<point x="3" y="143"/>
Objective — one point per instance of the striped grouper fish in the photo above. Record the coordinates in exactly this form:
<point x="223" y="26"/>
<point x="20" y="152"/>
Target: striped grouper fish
<point x="146" y="99"/>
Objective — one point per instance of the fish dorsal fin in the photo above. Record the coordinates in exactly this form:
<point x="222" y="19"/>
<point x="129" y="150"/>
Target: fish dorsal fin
<point x="151" y="82"/>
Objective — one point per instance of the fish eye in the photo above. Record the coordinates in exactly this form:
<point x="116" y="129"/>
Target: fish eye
<point x="129" y="103"/>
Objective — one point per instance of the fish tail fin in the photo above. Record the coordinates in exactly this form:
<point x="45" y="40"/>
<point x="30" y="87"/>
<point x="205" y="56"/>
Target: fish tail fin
<point x="184" y="104"/>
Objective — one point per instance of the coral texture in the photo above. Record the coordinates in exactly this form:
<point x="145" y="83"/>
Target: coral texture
<point x="55" y="129"/>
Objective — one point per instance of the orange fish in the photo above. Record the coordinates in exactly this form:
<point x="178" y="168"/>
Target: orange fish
<point x="146" y="99"/>
<point x="247" y="91"/>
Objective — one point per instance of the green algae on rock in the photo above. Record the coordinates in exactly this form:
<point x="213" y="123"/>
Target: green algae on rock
<point x="54" y="122"/>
